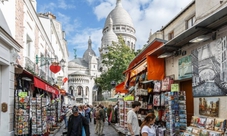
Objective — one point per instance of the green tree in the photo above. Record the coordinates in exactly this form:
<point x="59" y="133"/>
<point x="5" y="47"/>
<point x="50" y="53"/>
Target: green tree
<point x="117" y="60"/>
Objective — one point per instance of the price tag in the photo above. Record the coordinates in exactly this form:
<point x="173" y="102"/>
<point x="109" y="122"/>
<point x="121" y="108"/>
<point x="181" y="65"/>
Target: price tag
<point x="174" y="87"/>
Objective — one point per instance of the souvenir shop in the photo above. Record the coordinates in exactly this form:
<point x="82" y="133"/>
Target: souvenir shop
<point x="37" y="106"/>
<point x="193" y="103"/>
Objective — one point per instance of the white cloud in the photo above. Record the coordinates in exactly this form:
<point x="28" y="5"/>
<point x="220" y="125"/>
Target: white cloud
<point x="80" y="40"/>
<point x="68" y="24"/>
<point x="61" y="4"/>
<point x="146" y="14"/>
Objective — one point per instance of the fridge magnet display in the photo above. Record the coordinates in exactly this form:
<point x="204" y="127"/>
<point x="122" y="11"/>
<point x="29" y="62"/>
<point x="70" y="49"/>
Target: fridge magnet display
<point x="210" y="123"/>
<point x="204" y="132"/>
<point x="219" y="124"/>
<point x="209" y="107"/>
<point x="201" y="122"/>
<point x="196" y="131"/>
<point x="194" y="121"/>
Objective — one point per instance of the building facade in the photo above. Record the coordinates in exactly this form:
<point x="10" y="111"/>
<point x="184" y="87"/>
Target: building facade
<point x="195" y="53"/>
<point x="118" y="23"/>
<point x="22" y="38"/>
<point x="82" y="72"/>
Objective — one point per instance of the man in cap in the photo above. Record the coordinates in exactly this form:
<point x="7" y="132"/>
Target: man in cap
<point x="76" y="123"/>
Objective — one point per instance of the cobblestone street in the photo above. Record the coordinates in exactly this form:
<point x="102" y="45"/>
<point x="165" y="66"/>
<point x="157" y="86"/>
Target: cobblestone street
<point x="108" y="130"/>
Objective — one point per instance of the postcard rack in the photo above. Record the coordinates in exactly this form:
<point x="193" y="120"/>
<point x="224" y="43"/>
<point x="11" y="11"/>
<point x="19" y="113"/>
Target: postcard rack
<point x="21" y="118"/>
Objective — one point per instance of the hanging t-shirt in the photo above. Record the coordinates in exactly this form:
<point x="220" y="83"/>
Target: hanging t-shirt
<point x="133" y="120"/>
<point x="150" y="131"/>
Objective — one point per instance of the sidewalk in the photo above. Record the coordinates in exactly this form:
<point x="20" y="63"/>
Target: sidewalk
<point x="108" y="130"/>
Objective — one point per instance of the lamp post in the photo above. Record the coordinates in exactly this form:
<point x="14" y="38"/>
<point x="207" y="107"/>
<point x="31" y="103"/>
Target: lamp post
<point x="113" y="83"/>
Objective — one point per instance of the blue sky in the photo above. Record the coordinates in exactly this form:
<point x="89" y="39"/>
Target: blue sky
<point x="83" y="18"/>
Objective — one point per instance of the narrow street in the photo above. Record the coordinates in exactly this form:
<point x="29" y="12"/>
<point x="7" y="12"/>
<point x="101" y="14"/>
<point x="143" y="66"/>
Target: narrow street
<point x="108" y="130"/>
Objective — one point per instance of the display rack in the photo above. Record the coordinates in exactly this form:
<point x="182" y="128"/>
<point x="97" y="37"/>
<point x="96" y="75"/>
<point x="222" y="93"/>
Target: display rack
<point x="38" y="111"/>
<point x="21" y="119"/>
<point x="175" y="113"/>
<point x="51" y="117"/>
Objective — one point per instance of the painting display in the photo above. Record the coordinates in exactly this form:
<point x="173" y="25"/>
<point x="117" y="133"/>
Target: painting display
<point x="209" y="106"/>
<point x="209" y="66"/>
<point x="185" y="67"/>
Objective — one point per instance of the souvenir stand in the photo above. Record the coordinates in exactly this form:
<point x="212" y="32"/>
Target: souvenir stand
<point x="32" y="99"/>
<point x="22" y="106"/>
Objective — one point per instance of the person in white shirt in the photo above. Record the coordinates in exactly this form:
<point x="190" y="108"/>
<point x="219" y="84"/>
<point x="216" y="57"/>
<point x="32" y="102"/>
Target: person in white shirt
<point x="147" y="125"/>
<point x="132" y="120"/>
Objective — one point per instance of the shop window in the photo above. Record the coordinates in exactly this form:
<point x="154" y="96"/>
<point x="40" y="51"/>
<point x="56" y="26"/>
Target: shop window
<point x="171" y="35"/>
<point x="190" y="22"/>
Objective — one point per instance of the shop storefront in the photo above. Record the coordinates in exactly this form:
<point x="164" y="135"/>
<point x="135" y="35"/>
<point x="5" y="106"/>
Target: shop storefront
<point x="37" y="106"/>
<point x="189" y="97"/>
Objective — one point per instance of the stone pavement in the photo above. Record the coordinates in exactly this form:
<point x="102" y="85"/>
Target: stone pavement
<point x="108" y="130"/>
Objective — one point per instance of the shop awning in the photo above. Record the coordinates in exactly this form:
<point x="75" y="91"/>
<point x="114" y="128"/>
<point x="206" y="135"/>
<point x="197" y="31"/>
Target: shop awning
<point x="42" y="85"/>
<point x="120" y="88"/>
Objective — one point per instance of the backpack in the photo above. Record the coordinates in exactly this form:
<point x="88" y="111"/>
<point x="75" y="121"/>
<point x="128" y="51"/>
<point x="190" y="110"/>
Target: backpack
<point x="97" y="114"/>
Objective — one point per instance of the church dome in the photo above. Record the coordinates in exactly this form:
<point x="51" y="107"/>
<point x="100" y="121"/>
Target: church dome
<point x="89" y="52"/>
<point x="110" y="36"/>
<point x="119" y="15"/>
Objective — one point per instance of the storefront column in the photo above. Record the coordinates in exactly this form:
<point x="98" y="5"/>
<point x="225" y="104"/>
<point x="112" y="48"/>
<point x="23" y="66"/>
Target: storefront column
<point x="7" y="96"/>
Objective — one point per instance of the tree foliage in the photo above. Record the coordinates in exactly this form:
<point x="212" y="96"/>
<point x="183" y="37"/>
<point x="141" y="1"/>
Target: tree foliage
<point x="117" y="60"/>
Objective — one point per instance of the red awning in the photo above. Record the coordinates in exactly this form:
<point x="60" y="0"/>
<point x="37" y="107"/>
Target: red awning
<point x="120" y="88"/>
<point x="42" y="85"/>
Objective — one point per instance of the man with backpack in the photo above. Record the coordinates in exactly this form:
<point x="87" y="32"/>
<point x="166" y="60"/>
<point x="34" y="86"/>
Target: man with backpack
<point x="99" y="115"/>
<point x="76" y="123"/>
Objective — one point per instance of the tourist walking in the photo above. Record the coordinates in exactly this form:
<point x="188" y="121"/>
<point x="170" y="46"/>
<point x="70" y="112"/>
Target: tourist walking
<point x="109" y="113"/>
<point x="99" y="120"/>
<point x="132" y="120"/>
<point x="76" y="123"/>
<point x="147" y="126"/>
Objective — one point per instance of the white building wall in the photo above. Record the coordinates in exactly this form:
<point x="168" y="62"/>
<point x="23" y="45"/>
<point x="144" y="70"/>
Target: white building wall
<point x="9" y="14"/>
<point x="7" y="83"/>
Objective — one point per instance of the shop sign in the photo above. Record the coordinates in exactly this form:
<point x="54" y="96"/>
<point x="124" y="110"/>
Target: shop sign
<point x="174" y="87"/>
<point x="42" y="85"/>
<point x="49" y="89"/>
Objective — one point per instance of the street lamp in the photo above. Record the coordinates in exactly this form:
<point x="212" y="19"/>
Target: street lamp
<point x="62" y="62"/>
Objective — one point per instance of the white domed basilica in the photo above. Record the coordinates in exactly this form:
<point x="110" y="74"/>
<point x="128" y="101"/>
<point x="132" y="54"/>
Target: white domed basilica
<point x="118" y="23"/>
<point x="82" y="72"/>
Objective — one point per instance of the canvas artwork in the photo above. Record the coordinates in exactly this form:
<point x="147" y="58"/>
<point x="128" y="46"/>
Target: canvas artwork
<point x="209" y="106"/>
<point x="185" y="67"/>
<point x="209" y="69"/>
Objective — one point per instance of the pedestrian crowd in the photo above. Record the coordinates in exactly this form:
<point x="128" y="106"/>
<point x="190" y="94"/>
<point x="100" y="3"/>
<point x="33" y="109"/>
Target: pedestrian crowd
<point x="77" y="119"/>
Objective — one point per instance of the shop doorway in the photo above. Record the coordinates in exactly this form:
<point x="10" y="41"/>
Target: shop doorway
<point x="187" y="87"/>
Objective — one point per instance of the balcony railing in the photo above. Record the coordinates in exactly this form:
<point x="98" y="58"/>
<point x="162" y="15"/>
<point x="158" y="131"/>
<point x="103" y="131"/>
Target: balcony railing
<point x="29" y="65"/>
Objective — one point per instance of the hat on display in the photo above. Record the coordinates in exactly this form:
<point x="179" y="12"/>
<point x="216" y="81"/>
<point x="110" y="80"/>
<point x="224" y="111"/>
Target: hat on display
<point x="75" y="109"/>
